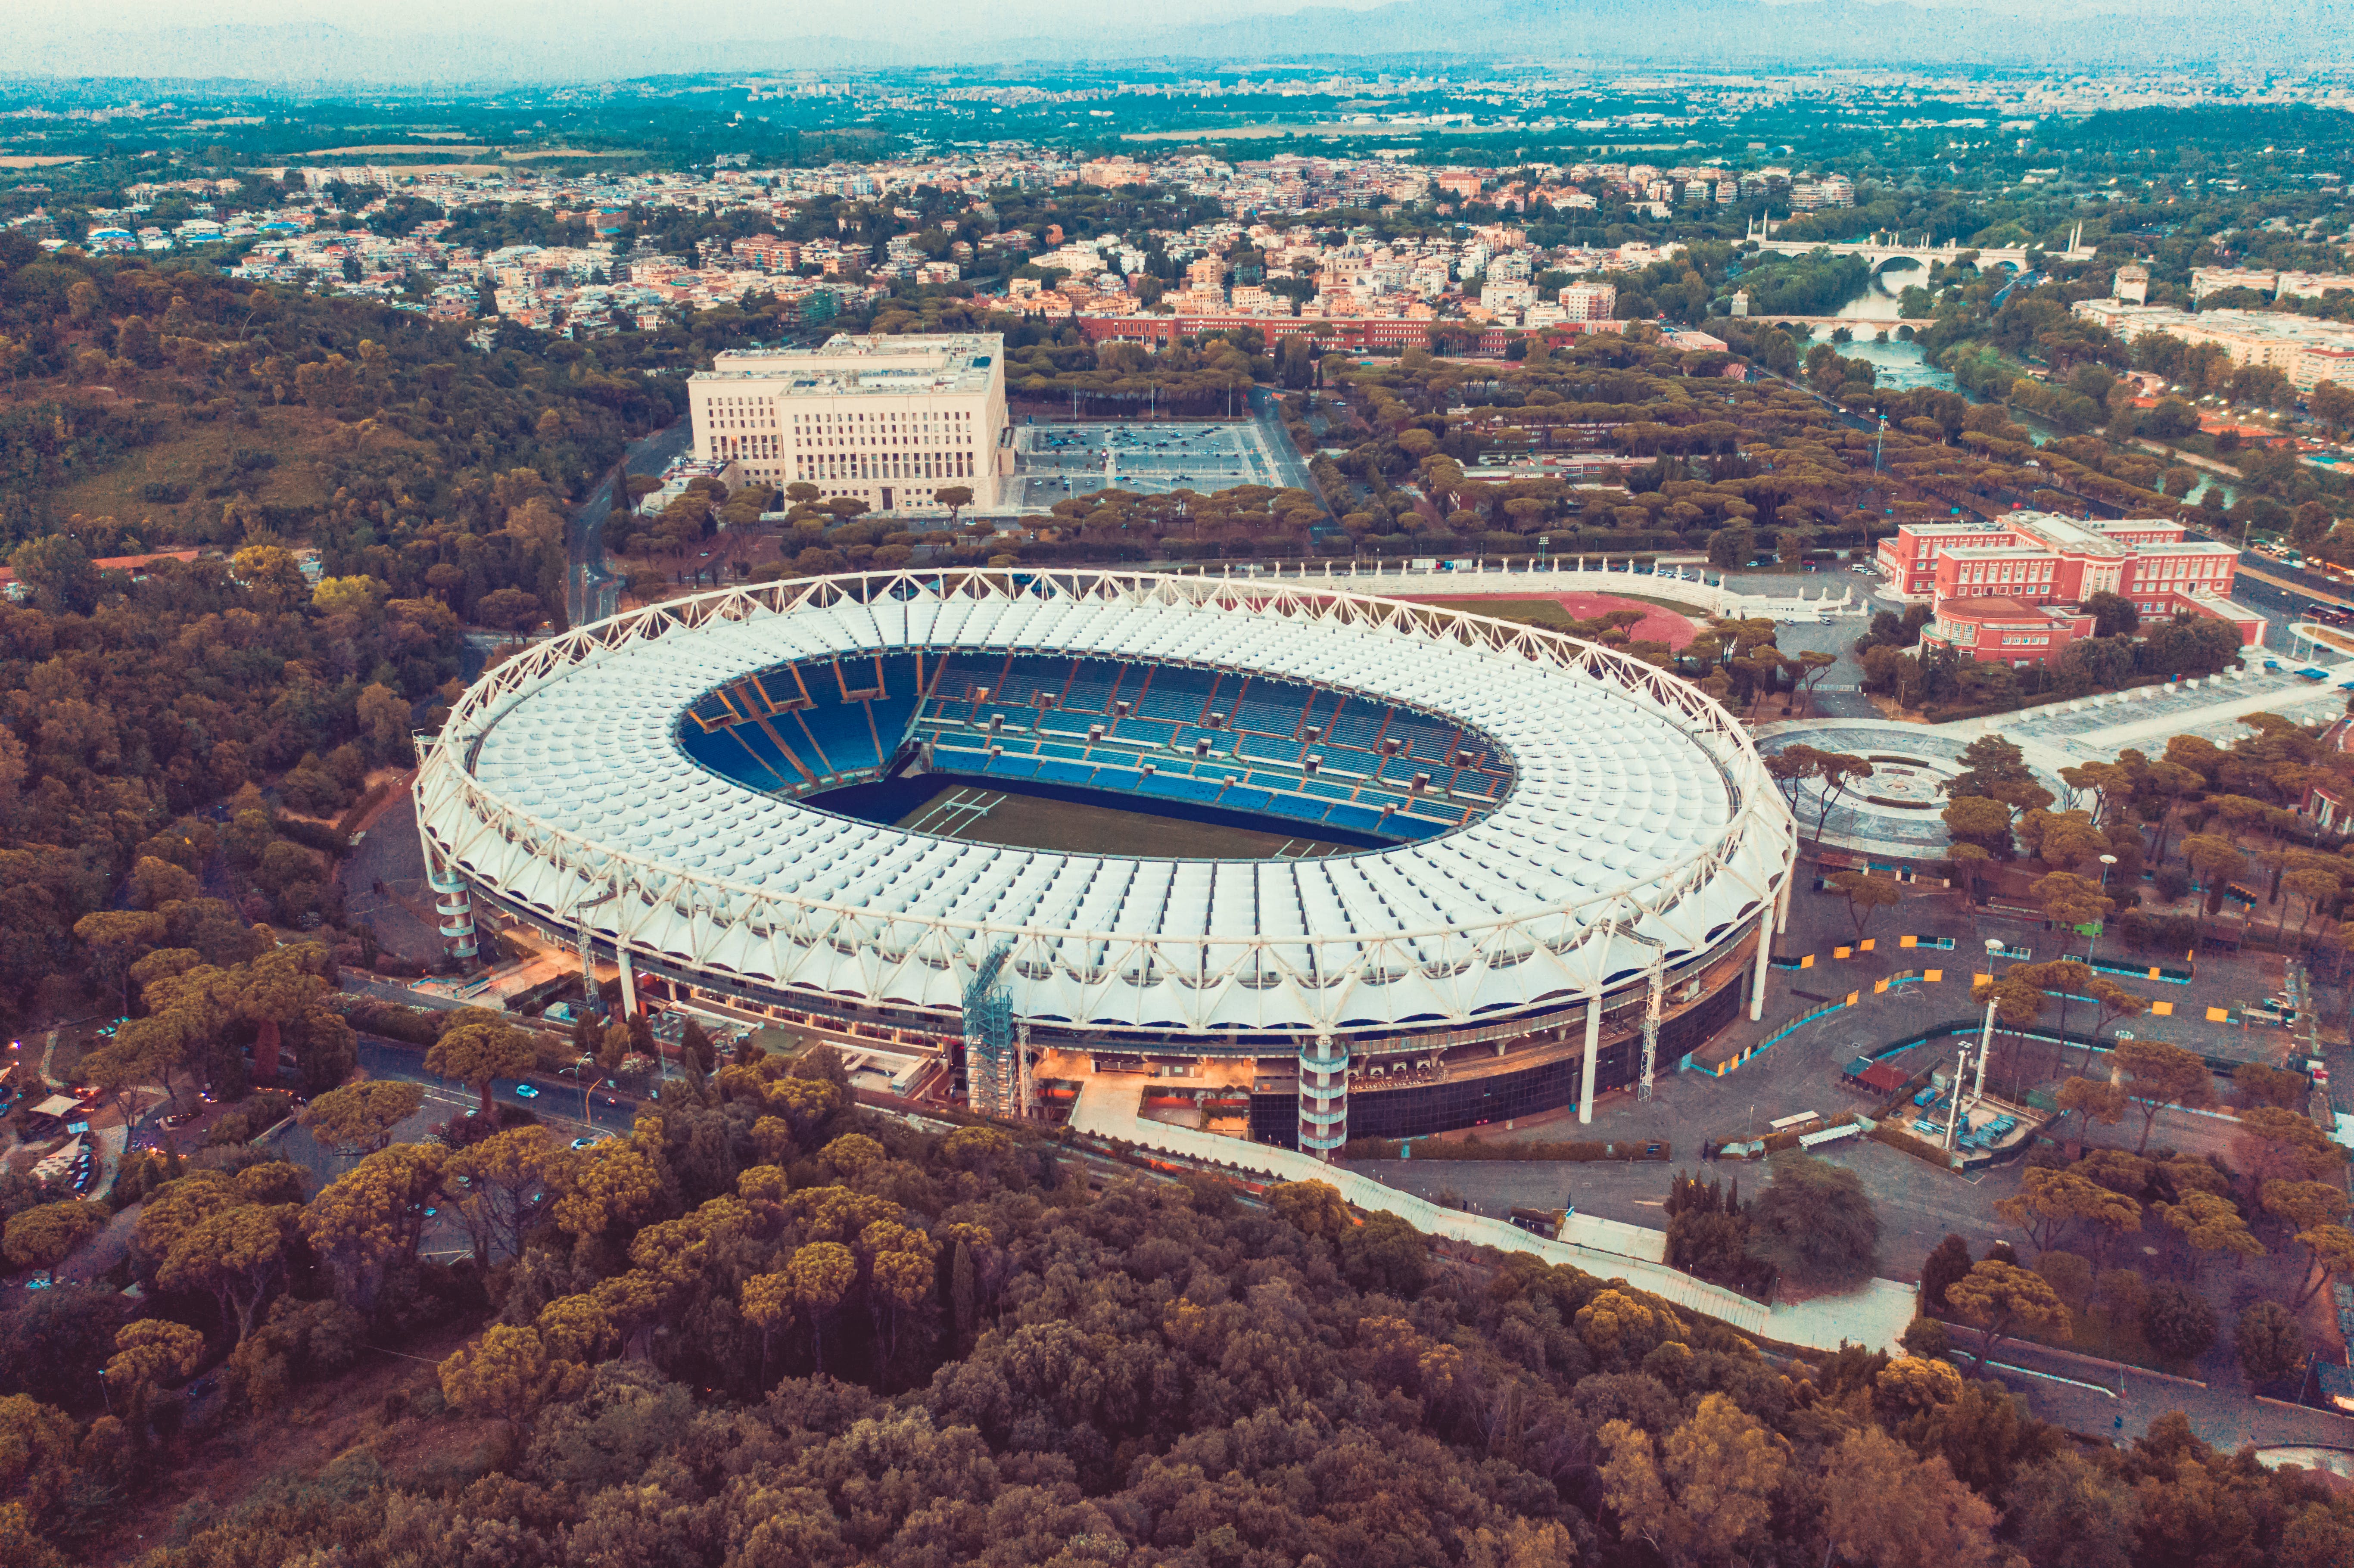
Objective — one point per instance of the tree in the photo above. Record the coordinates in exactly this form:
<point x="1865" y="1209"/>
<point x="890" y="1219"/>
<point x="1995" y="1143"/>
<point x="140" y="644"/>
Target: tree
<point x="37" y="1458"/>
<point x="1948" y="1261"/>
<point x="2177" y="1322"/>
<point x="1977" y="821"/>
<point x="2330" y="1254"/>
<point x="2049" y="1200"/>
<point x="2301" y="1205"/>
<point x="359" y="1118"/>
<point x="2000" y="1298"/>
<point x="1314" y="1207"/>
<point x="1833" y="773"/>
<point x="146" y="1354"/>
<point x="1815" y="1219"/>
<point x="237" y="1257"/>
<point x="505" y="1374"/>
<point x="2210" y="1223"/>
<point x="1730" y="549"/>
<point x="2270" y="1342"/>
<point x="2113" y="615"/>
<point x="370" y="1219"/>
<point x="1703" y="1493"/>
<point x="478" y="1047"/>
<point x="114" y="938"/>
<point x="1864" y="893"/>
<point x="609" y="1188"/>
<point x="501" y="1185"/>
<point x="2091" y="1100"/>
<point x="817" y="1278"/>
<point x="955" y="497"/>
<point x="1886" y="1506"/>
<point x="46" y="1236"/>
<point x="2276" y="1144"/>
<point x="2158" y="1074"/>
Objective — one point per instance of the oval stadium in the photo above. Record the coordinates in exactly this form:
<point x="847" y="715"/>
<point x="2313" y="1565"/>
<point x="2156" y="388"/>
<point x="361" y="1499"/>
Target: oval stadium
<point x="1327" y="864"/>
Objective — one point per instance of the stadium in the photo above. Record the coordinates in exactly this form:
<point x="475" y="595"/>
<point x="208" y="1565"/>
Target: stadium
<point x="1327" y="864"/>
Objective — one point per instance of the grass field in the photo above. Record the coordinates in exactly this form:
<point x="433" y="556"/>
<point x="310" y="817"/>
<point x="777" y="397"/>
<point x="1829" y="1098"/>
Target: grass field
<point x="1030" y="822"/>
<point x="200" y="455"/>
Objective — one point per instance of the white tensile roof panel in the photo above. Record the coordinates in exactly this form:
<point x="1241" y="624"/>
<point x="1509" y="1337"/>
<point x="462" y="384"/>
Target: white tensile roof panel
<point x="1638" y="820"/>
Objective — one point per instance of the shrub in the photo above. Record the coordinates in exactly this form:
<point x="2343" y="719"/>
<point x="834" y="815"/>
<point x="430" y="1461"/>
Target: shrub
<point x="2177" y="1322"/>
<point x="2270" y="1342"/>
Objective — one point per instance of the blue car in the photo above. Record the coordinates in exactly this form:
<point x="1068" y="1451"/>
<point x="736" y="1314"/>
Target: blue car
<point x="525" y="1092"/>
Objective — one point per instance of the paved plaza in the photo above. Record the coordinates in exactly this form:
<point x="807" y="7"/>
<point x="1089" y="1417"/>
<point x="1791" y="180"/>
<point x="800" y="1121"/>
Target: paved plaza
<point x="1054" y="462"/>
<point x="1896" y="811"/>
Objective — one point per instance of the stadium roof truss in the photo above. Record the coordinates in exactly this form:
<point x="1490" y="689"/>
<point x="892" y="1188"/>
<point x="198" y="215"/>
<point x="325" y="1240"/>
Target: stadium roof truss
<point x="1640" y="830"/>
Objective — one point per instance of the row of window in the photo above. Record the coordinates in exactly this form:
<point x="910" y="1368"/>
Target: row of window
<point x="883" y="465"/>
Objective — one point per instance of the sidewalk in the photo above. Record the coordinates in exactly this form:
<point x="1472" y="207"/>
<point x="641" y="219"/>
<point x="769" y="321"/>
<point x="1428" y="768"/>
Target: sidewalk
<point x="1874" y="1316"/>
<point x="2122" y="1403"/>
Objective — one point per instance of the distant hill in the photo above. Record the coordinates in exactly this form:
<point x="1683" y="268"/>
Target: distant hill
<point x="1690" y="34"/>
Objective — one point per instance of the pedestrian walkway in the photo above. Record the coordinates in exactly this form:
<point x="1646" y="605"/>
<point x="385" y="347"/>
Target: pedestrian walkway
<point x="1874" y="1316"/>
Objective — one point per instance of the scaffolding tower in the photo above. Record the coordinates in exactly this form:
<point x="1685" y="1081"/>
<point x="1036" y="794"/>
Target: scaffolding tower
<point x="993" y="1064"/>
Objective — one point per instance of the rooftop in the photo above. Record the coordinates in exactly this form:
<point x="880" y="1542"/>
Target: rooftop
<point x="871" y="366"/>
<point x="1998" y="608"/>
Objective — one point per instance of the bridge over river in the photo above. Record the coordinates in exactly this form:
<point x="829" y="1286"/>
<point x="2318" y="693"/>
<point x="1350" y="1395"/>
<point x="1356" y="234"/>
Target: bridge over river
<point x="1879" y="249"/>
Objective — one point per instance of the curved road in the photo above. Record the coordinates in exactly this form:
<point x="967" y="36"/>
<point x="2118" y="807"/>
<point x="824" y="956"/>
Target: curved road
<point x="590" y="592"/>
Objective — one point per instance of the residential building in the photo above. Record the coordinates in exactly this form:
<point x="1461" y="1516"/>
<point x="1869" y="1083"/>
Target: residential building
<point x="889" y="420"/>
<point x="2302" y="348"/>
<point x="2206" y="281"/>
<point x="1589" y="300"/>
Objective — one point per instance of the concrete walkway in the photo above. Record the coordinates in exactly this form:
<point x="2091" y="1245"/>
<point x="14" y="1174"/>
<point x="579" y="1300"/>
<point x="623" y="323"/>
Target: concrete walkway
<point x="1874" y="1316"/>
<point x="2116" y="737"/>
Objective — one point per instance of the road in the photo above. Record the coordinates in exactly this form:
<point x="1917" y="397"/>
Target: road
<point x="590" y="592"/>
<point x="554" y="1100"/>
<point x="1267" y="407"/>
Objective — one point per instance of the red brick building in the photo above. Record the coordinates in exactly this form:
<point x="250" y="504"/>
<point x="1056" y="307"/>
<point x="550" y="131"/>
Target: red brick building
<point x="2008" y="589"/>
<point x="1345" y="333"/>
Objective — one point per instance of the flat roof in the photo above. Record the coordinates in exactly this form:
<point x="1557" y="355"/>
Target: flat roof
<point x="1996" y="608"/>
<point x="870" y="366"/>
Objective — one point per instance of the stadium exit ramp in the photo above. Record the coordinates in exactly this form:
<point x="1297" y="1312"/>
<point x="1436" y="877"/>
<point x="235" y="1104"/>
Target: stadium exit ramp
<point x="1874" y="1316"/>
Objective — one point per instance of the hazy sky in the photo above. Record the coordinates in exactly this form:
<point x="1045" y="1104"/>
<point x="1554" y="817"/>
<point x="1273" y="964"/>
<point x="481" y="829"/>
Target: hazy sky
<point x="667" y="18"/>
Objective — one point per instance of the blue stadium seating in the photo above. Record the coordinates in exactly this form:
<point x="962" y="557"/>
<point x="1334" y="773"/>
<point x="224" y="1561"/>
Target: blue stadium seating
<point x="1255" y="752"/>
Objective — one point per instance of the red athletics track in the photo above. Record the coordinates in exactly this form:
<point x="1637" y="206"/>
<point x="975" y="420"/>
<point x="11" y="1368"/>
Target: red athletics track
<point x="1656" y="625"/>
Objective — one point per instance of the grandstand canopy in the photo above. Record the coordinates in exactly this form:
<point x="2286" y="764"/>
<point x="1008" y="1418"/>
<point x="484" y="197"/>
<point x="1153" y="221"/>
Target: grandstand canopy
<point x="1579" y="817"/>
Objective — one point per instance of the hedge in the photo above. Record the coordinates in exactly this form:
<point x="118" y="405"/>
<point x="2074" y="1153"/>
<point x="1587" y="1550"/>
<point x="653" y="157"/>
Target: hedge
<point x="414" y="1025"/>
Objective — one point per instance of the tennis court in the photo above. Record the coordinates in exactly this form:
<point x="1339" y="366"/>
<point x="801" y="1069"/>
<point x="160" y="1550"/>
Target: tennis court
<point x="1051" y="463"/>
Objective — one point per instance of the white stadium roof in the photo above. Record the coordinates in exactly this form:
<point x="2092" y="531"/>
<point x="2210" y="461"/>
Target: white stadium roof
<point x="1639" y="827"/>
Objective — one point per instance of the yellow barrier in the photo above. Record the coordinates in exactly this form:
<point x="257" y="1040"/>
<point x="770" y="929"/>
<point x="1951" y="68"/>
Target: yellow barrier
<point x="2163" y="1009"/>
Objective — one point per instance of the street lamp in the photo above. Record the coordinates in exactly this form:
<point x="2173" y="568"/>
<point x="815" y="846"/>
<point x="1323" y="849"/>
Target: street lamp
<point x="2106" y="861"/>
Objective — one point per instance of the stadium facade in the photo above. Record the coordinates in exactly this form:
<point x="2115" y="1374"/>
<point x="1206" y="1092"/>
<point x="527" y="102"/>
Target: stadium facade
<point x="1547" y="868"/>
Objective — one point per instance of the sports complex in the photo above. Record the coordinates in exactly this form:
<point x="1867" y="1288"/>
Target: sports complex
<point x="1330" y="864"/>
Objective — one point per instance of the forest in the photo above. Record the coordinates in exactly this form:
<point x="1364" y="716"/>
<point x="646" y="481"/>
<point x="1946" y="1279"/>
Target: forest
<point x="768" y="1328"/>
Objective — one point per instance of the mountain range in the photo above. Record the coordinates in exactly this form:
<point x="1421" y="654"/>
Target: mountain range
<point x="1690" y="35"/>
